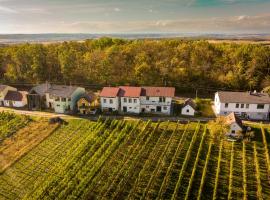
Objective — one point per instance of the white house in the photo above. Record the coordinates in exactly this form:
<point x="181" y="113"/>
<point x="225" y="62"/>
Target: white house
<point x="109" y="99"/>
<point x="157" y="100"/>
<point x="3" y="92"/>
<point x="128" y="99"/>
<point x="251" y="105"/>
<point x="60" y="98"/>
<point x="189" y="107"/>
<point x="234" y="122"/>
<point x="16" y="99"/>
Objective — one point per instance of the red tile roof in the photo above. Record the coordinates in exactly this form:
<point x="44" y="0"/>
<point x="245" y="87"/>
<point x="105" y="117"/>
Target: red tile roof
<point x="109" y="92"/>
<point x="128" y="91"/>
<point x="158" y="91"/>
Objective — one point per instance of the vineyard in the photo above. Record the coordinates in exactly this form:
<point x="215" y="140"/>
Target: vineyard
<point x="116" y="159"/>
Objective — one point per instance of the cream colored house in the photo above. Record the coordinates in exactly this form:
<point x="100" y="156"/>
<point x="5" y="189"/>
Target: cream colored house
<point x="3" y="92"/>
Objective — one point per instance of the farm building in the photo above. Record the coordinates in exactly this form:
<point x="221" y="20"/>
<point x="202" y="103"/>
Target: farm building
<point x="3" y="92"/>
<point x="15" y="99"/>
<point x="250" y="105"/>
<point x="189" y="107"/>
<point x="128" y="99"/>
<point x="234" y="122"/>
<point x="60" y="98"/>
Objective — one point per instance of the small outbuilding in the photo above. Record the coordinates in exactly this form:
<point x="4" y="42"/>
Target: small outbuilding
<point x="235" y="123"/>
<point x="15" y="99"/>
<point x="189" y="108"/>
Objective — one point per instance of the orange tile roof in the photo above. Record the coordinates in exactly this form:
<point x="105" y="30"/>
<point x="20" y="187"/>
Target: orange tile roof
<point x="109" y="92"/>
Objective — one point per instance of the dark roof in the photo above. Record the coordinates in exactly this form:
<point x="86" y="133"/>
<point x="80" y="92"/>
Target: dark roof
<point x="87" y="97"/>
<point x="55" y="90"/>
<point x="158" y="91"/>
<point x="128" y="91"/>
<point x="109" y="92"/>
<point x="243" y="97"/>
<point x="14" y="96"/>
<point x="232" y="118"/>
<point x="190" y="102"/>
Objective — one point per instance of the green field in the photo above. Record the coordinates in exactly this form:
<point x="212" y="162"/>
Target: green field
<point x="140" y="160"/>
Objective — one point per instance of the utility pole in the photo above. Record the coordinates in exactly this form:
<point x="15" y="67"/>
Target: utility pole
<point x="196" y="93"/>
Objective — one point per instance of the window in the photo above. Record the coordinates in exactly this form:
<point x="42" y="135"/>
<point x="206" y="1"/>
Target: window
<point x="260" y="106"/>
<point x="129" y="100"/>
<point x="111" y="101"/>
<point x="242" y="105"/>
<point x="147" y="106"/>
<point x="64" y="99"/>
<point x="164" y="108"/>
<point x="147" y="98"/>
<point x="104" y="100"/>
<point x="247" y="105"/>
<point x="69" y="99"/>
<point x="187" y="110"/>
<point x="125" y="100"/>
<point x="233" y="131"/>
<point x="237" y="105"/>
<point x="57" y="99"/>
<point x="130" y="107"/>
<point x="162" y="99"/>
<point x="135" y="100"/>
<point x="226" y="105"/>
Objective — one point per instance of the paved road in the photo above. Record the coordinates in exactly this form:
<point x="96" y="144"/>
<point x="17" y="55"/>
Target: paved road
<point x="153" y="118"/>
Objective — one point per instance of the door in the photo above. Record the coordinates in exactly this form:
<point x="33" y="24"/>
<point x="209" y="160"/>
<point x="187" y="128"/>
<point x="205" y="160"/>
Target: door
<point x="158" y="108"/>
<point x="10" y="104"/>
<point x="124" y="108"/>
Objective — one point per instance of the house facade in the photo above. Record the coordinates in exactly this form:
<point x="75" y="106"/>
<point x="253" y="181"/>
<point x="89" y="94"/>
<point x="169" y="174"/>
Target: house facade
<point x="250" y="105"/>
<point x="127" y="99"/>
<point x="235" y="123"/>
<point x="3" y="92"/>
<point x="189" y="108"/>
<point x="60" y="98"/>
<point x="15" y="99"/>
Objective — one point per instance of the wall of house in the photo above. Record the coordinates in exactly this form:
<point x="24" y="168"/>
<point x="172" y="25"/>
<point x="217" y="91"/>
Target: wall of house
<point x="150" y="105"/>
<point x="234" y="128"/>
<point x="15" y="104"/>
<point x="132" y="104"/>
<point x="114" y="105"/>
<point x="250" y="111"/>
<point x="62" y="105"/>
<point x="188" y="110"/>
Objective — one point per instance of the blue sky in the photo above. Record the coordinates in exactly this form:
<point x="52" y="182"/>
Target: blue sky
<point x="114" y="16"/>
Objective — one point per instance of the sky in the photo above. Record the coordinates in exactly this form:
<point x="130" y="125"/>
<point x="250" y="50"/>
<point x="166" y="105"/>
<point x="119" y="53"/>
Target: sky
<point x="134" y="16"/>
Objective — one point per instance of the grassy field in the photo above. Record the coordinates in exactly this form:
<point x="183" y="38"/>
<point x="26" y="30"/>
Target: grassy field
<point x="139" y="160"/>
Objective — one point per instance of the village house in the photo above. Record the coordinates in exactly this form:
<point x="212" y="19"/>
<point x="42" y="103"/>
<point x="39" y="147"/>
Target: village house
<point x="235" y="124"/>
<point x="189" y="108"/>
<point x="250" y="105"/>
<point x="84" y="104"/>
<point x="15" y="99"/>
<point x="128" y="99"/>
<point x="60" y="98"/>
<point x="3" y="92"/>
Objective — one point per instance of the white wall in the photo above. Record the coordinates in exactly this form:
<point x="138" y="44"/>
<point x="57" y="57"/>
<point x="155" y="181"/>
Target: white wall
<point x="234" y="127"/>
<point x="188" y="110"/>
<point x="150" y="105"/>
<point x="132" y="107"/>
<point x="251" y="111"/>
<point x="15" y="104"/>
<point x="106" y="105"/>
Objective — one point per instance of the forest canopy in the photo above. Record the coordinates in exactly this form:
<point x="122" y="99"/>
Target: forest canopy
<point x="170" y="62"/>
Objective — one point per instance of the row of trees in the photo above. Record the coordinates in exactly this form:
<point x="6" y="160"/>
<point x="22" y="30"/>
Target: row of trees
<point x="139" y="62"/>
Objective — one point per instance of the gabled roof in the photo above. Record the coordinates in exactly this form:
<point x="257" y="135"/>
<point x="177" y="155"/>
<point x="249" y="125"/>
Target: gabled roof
<point x="129" y="91"/>
<point x="3" y="87"/>
<point x="109" y="92"/>
<point x="15" y="96"/>
<point x="190" y="102"/>
<point x="158" y="91"/>
<point x="232" y="118"/>
<point x="55" y="90"/>
<point x="243" y="97"/>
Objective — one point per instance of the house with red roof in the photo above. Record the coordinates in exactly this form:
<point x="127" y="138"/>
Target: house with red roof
<point x="129" y="99"/>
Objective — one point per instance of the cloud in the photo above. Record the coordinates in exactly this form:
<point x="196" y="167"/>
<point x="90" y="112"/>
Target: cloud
<point x="117" y="9"/>
<point x="6" y="10"/>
